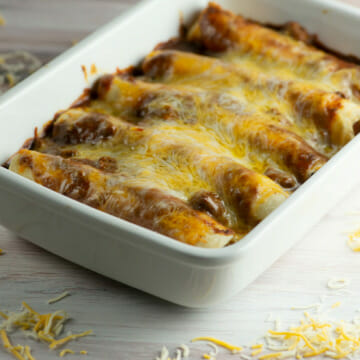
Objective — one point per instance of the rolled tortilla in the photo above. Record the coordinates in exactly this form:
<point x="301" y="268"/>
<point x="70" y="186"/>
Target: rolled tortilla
<point x="332" y="114"/>
<point x="145" y="206"/>
<point x="221" y="31"/>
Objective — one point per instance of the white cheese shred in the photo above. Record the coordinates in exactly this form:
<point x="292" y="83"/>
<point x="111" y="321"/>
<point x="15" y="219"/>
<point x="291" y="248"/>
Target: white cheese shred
<point x="178" y="354"/>
<point x="214" y="348"/>
<point x="306" y="307"/>
<point x="41" y="327"/>
<point x="58" y="298"/>
<point x="185" y="350"/>
<point x="337" y="283"/>
<point x="164" y="354"/>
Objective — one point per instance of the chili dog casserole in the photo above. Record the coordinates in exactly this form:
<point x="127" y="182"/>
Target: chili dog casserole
<point x="208" y="135"/>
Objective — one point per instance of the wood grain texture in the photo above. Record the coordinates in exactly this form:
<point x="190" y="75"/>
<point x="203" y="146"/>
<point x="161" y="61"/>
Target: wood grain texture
<point x="128" y="323"/>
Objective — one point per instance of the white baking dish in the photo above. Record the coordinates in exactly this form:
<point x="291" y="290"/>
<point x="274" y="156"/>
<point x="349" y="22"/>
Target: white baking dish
<point x="133" y="255"/>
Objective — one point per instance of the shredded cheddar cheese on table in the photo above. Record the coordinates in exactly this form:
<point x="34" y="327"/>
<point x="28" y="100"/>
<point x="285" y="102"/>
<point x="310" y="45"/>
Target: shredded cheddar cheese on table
<point x="66" y="351"/>
<point x="58" y="298"/>
<point x="57" y="343"/>
<point x="164" y="354"/>
<point x="270" y="356"/>
<point x="44" y="327"/>
<point x="185" y="350"/>
<point x="305" y="307"/>
<point x="336" y="283"/>
<point x="315" y="336"/>
<point x="3" y="315"/>
<point x="2" y="20"/>
<point x="224" y="344"/>
<point x="13" y="350"/>
<point x="256" y="352"/>
<point x="354" y="240"/>
<point x="212" y="354"/>
<point x="28" y="353"/>
<point x="335" y="305"/>
<point x="245" y="357"/>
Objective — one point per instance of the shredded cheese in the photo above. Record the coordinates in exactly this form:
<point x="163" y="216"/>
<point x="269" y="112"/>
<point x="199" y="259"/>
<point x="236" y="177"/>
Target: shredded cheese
<point x="270" y="356"/>
<point x="306" y="307"/>
<point x="164" y="354"/>
<point x="277" y="324"/>
<point x="178" y="354"/>
<point x="258" y="348"/>
<point x="26" y="306"/>
<point x="336" y="283"/>
<point x="335" y="305"/>
<point x="3" y="315"/>
<point x="43" y="327"/>
<point x="7" y="345"/>
<point x="66" y="351"/>
<point x="185" y="350"/>
<point x="5" y="339"/>
<point x="28" y="353"/>
<point x="354" y="240"/>
<point x="245" y="357"/>
<point x="58" y="298"/>
<point x="181" y="350"/>
<point x="224" y="344"/>
<point x="57" y="343"/>
<point x="214" y="348"/>
<point x="315" y="336"/>
<point x="256" y="352"/>
<point x="2" y="20"/>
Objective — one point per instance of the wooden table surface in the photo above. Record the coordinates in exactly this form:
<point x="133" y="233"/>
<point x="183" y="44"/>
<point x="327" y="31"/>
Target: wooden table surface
<point x="128" y="323"/>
